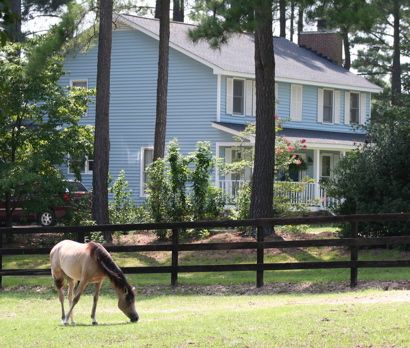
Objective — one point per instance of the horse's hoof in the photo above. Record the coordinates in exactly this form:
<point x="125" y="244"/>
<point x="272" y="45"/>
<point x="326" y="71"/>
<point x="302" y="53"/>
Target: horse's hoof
<point x="73" y="323"/>
<point x="65" y="323"/>
<point x="95" y="323"/>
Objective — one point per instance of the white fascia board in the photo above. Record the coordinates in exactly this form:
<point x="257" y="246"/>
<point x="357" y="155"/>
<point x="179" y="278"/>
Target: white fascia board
<point x="344" y="145"/>
<point x="330" y="85"/>
<point x="232" y="131"/>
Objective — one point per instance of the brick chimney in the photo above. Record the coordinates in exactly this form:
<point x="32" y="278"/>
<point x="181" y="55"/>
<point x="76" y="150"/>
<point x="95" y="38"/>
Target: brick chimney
<point x="325" y="43"/>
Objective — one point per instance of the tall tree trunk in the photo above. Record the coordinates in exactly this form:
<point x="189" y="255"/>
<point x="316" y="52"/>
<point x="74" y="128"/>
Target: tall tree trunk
<point x="282" y="17"/>
<point x="178" y="11"/>
<point x="263" y="174"/>
<point x="396" y="69"/>
<point x="346" y="47"/>
<point x="292" y="19"/>
<point x="300" y="20"/>
<point x="162" y="82"/>
<point x="158" y="9"/>
<point x="14" y="28"/>
<point x="102" y="135"/>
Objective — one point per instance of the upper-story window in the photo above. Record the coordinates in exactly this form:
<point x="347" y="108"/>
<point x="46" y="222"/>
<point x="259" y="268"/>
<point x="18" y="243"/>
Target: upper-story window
<point x="354" y="107"/>
<point x="238" y="96"/>
<point x="328" y="105"/>
<point x="79" y="83"/>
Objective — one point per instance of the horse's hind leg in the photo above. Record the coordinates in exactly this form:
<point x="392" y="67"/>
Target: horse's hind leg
<point x="70" y="297"/>
<point x="96" y="294"/>
<point x="59" y="283"/>
<point x="79" y="291"/>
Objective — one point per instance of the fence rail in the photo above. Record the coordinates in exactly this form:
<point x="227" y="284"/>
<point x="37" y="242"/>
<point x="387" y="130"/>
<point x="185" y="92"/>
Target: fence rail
<point x="260" y="245"/>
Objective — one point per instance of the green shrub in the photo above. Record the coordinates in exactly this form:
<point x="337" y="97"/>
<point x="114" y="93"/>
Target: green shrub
<point x="178" y="189"/>
<point x="376" y="177"/>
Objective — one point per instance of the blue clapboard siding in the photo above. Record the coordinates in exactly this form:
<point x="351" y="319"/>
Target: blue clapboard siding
<point x="191" y="101"/>
<point x="309" y="109"/>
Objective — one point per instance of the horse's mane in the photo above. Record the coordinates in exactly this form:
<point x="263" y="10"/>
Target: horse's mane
<point x="108" y="266"/>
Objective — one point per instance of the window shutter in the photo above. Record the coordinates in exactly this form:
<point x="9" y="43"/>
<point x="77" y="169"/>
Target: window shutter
<point x="296" y="103"/>
<point x="276" y="99"/>
<point x="248" y="97"/>
<point x="254" y="98"/>
<point x="363" y="102"/>
<point x="320" y="105"/>
<point x="337" y="107"/>
<point x="347" y="107"/>
<point x="229" y="96"/>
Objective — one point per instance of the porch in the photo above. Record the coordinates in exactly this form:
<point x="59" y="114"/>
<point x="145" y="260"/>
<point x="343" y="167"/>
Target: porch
<point x="310" y="195"/>
<point x="301" y="186"/>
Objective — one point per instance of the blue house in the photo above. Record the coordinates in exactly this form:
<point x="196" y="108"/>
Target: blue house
<point x="212" y="97"/>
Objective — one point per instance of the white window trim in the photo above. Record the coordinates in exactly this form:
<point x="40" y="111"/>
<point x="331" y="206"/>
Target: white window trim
<point x="86" y="166"/>
<point x="78" y="80"/>
<point x="333" y="106"/>
<point x="143" y="148"/>
<point x="359" y="116"/>
<point x="244" y="96"/>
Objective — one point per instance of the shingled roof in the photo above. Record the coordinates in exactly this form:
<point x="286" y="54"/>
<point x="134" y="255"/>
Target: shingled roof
<point x="236" y="58"/>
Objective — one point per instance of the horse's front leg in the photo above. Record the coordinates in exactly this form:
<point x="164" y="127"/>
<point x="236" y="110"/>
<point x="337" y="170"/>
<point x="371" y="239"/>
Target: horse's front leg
<point x="96" y="295"/>
<point x="80" y="288"/>
<point x="70" y="295"/>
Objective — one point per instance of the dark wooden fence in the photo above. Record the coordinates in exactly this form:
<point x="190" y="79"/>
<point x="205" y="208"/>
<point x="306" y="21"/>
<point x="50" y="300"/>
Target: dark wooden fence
<point x="259" y="245"/>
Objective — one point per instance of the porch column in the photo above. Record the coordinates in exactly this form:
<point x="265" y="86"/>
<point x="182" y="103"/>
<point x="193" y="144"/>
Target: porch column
<point x="316" y="171"/>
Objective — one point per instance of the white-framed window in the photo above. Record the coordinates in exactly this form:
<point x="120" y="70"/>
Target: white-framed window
<point x="79" y="83"/>
<point x="238" y="95"/>
<point x="85" y="164"/>
<point x="354" y="107"/>
<point x="328" y="105"/>
<point x="147" y="157"/>
<point x="328" y="162"/>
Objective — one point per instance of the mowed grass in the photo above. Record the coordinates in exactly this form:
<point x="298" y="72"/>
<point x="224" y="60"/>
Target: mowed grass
<point x="231" y="257"/>
<point x="359" y="319"/>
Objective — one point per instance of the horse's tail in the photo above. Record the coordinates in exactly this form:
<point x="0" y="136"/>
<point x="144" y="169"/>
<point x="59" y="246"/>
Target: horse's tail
<point x="108" y="266"/>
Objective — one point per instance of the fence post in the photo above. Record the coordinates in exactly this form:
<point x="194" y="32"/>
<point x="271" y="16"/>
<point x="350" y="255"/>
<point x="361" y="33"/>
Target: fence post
<point x="79" y="236"/>
<point x="1" y="259"/>
<point x="354" y="254"/>
<point x="259" y="257"/>
<point x="174" y="265"/>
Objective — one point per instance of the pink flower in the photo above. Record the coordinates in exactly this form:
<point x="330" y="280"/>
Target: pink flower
<point x="291" y="148"/>
<point x="298" y="162"/>
<point x="304" y="147"/>
<point x="303" y="141"/>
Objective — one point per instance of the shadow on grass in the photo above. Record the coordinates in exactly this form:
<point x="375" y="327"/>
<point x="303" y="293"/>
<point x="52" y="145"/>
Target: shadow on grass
<point x="98" y="325"/>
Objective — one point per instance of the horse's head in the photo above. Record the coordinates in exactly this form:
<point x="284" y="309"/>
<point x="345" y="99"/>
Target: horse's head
<point x="126" y="302"/>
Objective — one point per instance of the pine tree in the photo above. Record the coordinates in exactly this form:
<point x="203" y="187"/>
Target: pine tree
<point x="162" y="82"/>
<point x="385" y="44"/>
<point x="218" y="22"/>
<point x="348" y="17"/>
<point x="102" y="137"/>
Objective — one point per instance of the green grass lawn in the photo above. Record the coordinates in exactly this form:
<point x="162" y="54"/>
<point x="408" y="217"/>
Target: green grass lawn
<point x="197" y="315"/>
<point x="359" y="319"/>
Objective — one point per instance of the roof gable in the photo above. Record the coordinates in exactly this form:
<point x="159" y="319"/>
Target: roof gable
<point x="236" y="58"/>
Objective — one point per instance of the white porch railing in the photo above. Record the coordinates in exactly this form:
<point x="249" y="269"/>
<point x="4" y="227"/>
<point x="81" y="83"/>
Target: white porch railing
<point x="299" y="193"/>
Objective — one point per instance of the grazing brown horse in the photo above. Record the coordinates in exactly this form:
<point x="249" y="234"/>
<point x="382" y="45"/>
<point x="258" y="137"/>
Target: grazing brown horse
<point x="88" y="263"/>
